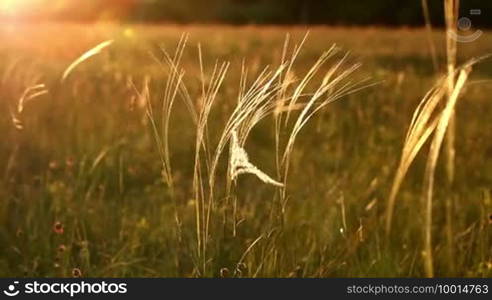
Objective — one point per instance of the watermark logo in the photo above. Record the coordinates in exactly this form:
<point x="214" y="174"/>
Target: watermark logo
<point x="69" y="289"/>
<point x="464" y="34"/>
<point x="11" y="290"/>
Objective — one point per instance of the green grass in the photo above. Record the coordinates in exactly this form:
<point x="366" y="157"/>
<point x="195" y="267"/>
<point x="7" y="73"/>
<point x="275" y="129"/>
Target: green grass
<point x="87" y="158"/>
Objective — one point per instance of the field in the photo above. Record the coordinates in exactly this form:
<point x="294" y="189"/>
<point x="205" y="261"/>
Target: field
<point x="82" y="186"/>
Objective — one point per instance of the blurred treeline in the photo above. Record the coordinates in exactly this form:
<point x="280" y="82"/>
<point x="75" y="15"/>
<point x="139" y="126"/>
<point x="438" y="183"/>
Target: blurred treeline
<point x="334" y="12"/>
<point x="331" y="12"/>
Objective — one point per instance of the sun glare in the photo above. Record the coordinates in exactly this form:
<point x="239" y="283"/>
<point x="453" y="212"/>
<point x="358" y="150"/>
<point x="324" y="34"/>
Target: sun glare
<point x="13" y="7"/>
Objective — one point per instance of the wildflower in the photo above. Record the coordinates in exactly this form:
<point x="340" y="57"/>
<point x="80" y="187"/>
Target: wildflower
<point x="62" y="248"/>
<point x="58" y="228"/>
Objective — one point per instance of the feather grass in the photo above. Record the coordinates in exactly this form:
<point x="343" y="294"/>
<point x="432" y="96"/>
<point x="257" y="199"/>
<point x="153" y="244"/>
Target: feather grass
<point x="90" y="53"/>
<point x="431" y="119"/>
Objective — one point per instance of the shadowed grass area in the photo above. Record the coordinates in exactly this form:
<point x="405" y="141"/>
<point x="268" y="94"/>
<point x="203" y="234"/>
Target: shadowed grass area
<point x="86" y="158"/>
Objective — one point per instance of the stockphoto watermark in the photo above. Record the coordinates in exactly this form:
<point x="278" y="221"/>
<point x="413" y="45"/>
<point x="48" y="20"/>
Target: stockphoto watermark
<point x="465" y="31"/>
<point x="64" y="288"/>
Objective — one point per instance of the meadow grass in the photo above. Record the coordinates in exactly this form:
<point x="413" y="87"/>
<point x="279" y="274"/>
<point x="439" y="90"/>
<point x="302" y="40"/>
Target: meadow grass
<point x="122" y="168"/>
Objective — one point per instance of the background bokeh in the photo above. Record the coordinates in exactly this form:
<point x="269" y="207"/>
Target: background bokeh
<point x="357" y="12"/>
<point x="82" y="192"/>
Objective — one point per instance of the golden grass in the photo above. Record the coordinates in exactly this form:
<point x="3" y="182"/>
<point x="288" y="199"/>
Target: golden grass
<point x="434" y="117"/>
<point x="428" y="28"/>
<point x="451" y="11"/>
<point x="429" y="119"/>
<point x="274" y="92"/>
<point x="317" y="219"/>
<point x="240" y="164"/>
<point x="88" y="54"/>
<point x="29" y="94"/>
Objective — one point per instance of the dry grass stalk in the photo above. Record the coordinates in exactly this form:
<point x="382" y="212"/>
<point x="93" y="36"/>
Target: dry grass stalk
<point x="29" y="94"/>
<point x="430" y="169"/>
<point x="424" y="121"/>
<point x="253" y="105"/>
<point x="428" y="119"/>
<point x="94" y="51"/>
<point x="274" y="92"/>
<point x="203" y="109"/>
<point x="331" y="89"/>
<point x="269" y="94"/>
<point x="335" y="85"/>
<point x="451" y="10"/>
<point x="428" y="28"/>
<point x="172" y="86"/>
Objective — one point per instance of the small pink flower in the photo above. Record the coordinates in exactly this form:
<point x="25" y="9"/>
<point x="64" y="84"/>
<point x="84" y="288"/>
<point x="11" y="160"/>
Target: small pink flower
<point x="58" y="228"/>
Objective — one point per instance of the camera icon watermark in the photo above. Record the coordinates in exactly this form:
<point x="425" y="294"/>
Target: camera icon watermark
<point x="463" y="33"/>
<point x="11" y="290"/>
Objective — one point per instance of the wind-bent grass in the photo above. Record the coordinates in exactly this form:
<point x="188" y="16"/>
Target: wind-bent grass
<point x="272" y="93"/>
<point x="87" y="156"/>
<point x="423" y="123"/>
<point x="203" y="205"/>
<point x="90" y="53"/>
<point x="240" y="164"/>
<point x="429" y="119"/>
<point x="29" y="94"/>
<point x="430" y="169"/>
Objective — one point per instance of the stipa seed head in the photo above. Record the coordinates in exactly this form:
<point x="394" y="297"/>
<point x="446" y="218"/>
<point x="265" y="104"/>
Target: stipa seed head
<point x="240" y="163"/>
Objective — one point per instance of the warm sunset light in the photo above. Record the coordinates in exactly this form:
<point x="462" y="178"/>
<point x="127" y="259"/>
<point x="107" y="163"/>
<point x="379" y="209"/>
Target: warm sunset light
<point x="246" y="139"/>
<point x="15" y="8"/>
<point x="30" y="8"/>
<point x="68" y="9"/>
<point x="12" y="6"/>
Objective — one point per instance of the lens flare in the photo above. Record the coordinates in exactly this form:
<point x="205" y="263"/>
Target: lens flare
<point x="67" y="9"/>
<point x="12" y="7"/>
